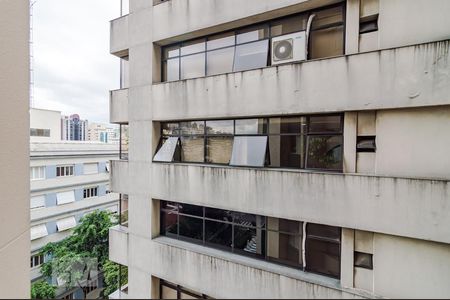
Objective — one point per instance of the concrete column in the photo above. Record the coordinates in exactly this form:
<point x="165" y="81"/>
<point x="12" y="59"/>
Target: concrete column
<point x="350" y="132"/>
<point x="347" y="249"/>
<point x="352" y="27"/>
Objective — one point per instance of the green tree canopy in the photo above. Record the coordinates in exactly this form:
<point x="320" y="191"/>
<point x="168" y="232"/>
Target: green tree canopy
<point x="42" y="290"/>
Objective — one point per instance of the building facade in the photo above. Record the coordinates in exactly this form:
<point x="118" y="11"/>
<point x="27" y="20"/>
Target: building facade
<point x="45" y="125"/>
<point x="103" y="133"/>
<point x="73" y="128"/>
<point x="14" y="162"/>
<point x="283" y="149"/>
<point x="68" y="180"/>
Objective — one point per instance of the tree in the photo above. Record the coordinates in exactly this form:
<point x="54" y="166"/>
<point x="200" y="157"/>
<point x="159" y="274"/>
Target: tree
<point x="42" y="290"/>
<point x="73" y="258"/>
<point x="111" y="275"/>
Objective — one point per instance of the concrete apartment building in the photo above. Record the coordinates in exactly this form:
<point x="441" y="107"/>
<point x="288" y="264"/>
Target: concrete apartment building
<point x="284" y="149"/>
<point x="73" y="128"/>
<point x="14" y="133"/>
<point x="68" y="180"/>
<point x="104" y="133"/>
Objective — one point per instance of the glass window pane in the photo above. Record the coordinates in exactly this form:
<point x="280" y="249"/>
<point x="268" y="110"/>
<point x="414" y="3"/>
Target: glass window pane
<point x="168" y="223"/>
<point x="221" y="40"/>
<point x="324" y="152"/>
<point x="167" y="150"/>
<point x="171" y="207"/>
<point x="323" y="257"/>
<point x="287" y="151"/>
<point x="249" y="151"/>
<point x="220" y="61"/>
<point x="284" y="248"/>
<point x="171" y="51"/>
<point x="168" y="293"/>
<point x="249" y="241"/>
<point x="251" y="56"/>
<point x="325" y="124"/>
<point x="326" y="42"/>
<point x="189" y="209"/>
<point x="219" y="214"/>
<point x="193" y="66"/>
<point x="289" y="25"/>
<point x="363" y="260"/>
<point x="188" y="296"/>
<point x="193" y="127"/>
<point x="170" y="128"/>
<point x="219" y="127"/>
<point x="244" y="219"/>
<point x="250" y="126"/>
<point x="190" y="227"/>
<point x="192" y="149"/>
<point x="327" y="17"/>
<point x="218" y="233"/>
<point x="218" y="149"/>
<point x="193" y="47"/>
<point x="252" y="34"/>
<point x="287" y="125"/>
<point x="172" y="69"/>
<point x="324" y="231"/>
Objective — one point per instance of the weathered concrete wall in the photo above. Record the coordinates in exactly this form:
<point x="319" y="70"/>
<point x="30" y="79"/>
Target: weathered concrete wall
<point x="414" y="142"/>
<point x="352" y="201"/>
<point x="14" y="152"/>
<point x="119" y="180"/>
<point x="119" y="42"/>
<point x="118" y="244"/>
<point x="404" y="77"/>
<point x="118" y="106"/>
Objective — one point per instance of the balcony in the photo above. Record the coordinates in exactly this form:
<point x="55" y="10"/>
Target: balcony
<point x="118" y="106"/>
<point x="404" y="77"/>
<point x="399" y="206"/>
<point x="119" y="36"/>
<point x="118" y="244"/>
<point x="119" y="182"/>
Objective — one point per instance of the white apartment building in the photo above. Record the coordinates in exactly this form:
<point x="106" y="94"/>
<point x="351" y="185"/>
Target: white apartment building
<point x="284" y="149"/>
<point x="14" y="162"/>
<point x="104" y="133"/>
<point x="45" y="125"/>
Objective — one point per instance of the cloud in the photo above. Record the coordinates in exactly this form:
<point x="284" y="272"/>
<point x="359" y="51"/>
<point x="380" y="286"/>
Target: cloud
<point x="73" y="70"/>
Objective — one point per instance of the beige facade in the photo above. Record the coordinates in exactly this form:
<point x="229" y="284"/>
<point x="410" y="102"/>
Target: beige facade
<point x="14" y="161"/>
<point x="45" y="125"/>
<point x="388" y="198"/>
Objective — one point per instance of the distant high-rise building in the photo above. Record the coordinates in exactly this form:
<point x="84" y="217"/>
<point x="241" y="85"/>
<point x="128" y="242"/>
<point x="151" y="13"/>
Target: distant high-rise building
<point x="73" y="128"/>
<point x="105" y="133"/>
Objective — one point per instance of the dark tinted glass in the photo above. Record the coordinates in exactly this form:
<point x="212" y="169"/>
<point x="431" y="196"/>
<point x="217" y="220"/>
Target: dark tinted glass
<point x="219" y="127"/>
<point x="325" y="124"/>
<point x="287" y="151"/>
<point x="324" y="231"/>
<point x="284" y="248"/>
<point x="219" y="214"/>
<point x="328" y="17"/>
<point x="249" y="241"/>
<point x="169" y="206"/>
<point x="323" y="257"/>
<point x="244" y="219"/>
<point x="363" y="260"/>
<point x="190" y="227"/>
<point x="168" y="223"/>
<point x="293" y="125"/>
<point x="366" y="144"/>
<point x="218" y="149"/>
<point x="189" y="209"/>
<point x="193" y="127"/>
<point x="326" y="42"/>
<point x="218" y="233"/>
<point x="289" y="25"/>
<point x="289" y="226"/>
<point x="324" y="152"/>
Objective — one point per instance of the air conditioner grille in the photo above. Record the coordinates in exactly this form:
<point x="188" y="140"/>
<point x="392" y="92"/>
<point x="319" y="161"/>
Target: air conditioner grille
<point x="283" y="49"/>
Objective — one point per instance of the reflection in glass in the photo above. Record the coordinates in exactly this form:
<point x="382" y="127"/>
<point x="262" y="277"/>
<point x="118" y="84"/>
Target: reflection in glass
<point x="250" y="126"/>
<point x="296" y="125"/>
<point x="325" y="124"/>
<point x="172" y="69"/>
<point x="219" y="127"/>
<point x="168" y="223"/>
<point x="218" y="214"/>
<point x="193" y="47"/>
<point x="220" y="61"/>
<point x="172" y="51"/>
<point x="288" y="25"/>
<point x="325" y="231"/>
<point x="218" y="149"/>
<point x="328" y="17"/>
<point x="192" y="149"/>
<point x="218" y="233"/>
<point x="249" y="151"/>
<point x="170" y="128"/>
<point x="251" y="34"/>
<point x="287" y="151"/>
<point x="192" y="127"/>
<point x="250" y="241"/>
<point x="193" y="66"/>
<point x="324" y="152"/>
<point x="220" y="41"/>
<point x="190" y="227"/>
<point x="192" y="210"/>
<point x="251" y="56"/>
<point x="323" y="257"/>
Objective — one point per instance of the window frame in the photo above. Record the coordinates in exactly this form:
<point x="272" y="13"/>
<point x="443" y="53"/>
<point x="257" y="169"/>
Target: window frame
<point x="68" y="170"/>
<point x="90" y="192"/>
<point x="37" y="170"/>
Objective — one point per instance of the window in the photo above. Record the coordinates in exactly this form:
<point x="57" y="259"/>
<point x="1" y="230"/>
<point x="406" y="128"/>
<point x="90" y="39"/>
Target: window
<point x="366" y="144"/>
<point x="302" y="142"/>
<point x="169" y="290"/>
<point x="37" y="173"/>
<point x="36" y="260"/>
<point x="368" y="24"/>
<point x="66" y="224"/>
<point x="272" y="239"/>
<point x="65" y="197"/>
<point x="64" y="171"/>
<point x="90" y="168"/>
<point x="39" y="132"/>
<point x="123" y="151"/>
<point x="90" y="192"/>
<point x="38" y="231"/>
<point x="248" y="48"/>
<point x="37" y="202"/>
<point x="363" y="260"/>
<point x="323" y="249"/>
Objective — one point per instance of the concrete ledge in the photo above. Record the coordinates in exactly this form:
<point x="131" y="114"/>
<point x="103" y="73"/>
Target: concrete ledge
<point x="412" y="76"/>
<point x="118" y="106"/>
<point x="67" y="181"/>
<point x="119" y="182"/>
<point x="118" y="244"/>
<point x="119" y="36"/>
<point x="416" y="208"/>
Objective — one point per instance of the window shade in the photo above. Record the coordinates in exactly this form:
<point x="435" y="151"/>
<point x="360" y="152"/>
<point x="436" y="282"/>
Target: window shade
<point x="37" y="201"/>
<point x="91" y="168"/>
<point x="65" y="197"/>
<point x="38" y="231"/>
<point x="66" y="223"/>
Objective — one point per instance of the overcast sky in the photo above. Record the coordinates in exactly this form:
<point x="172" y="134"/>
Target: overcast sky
<point x="73" y="70"/>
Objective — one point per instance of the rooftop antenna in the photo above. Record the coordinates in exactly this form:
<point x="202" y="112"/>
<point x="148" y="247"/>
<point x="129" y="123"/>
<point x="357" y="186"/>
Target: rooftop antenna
<point x="32" y="2"/>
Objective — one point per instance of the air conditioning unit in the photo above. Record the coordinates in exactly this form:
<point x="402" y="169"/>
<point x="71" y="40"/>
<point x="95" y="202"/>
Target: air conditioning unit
<point x="289" y="48"/>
